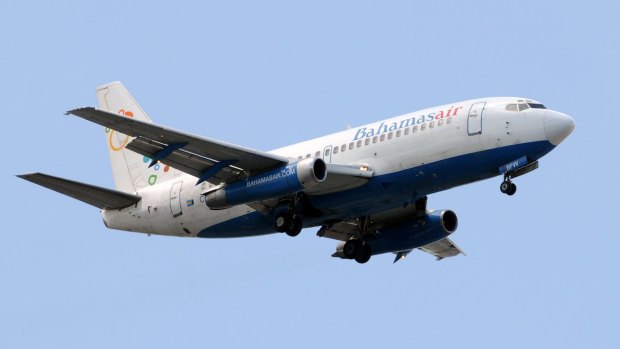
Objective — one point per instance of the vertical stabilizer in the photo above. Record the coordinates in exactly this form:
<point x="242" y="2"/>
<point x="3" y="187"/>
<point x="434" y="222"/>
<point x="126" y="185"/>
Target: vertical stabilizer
<point x="130" y="170"/>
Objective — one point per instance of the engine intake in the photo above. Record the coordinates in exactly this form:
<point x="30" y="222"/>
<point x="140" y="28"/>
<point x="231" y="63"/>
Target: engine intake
<point x="286" y="180"/>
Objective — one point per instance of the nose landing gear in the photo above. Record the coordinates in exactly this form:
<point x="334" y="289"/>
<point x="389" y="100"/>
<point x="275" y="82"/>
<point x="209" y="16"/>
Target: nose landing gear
<point x="507" y="187"/>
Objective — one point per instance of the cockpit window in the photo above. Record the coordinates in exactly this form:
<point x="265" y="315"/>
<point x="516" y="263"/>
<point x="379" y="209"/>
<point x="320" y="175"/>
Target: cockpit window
<point x="523" y="106"/>
<point x="537" y="106"/>
<point x="511" y="107"/>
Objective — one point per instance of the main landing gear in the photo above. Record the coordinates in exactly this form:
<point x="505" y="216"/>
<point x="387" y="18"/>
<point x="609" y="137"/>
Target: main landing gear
<point x="507" y="187"/>
<point x="288" y="223"/>
<point x="357" y="249"/>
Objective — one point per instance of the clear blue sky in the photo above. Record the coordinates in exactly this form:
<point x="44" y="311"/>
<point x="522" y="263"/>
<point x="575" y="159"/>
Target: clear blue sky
<point x="542" y="266"/>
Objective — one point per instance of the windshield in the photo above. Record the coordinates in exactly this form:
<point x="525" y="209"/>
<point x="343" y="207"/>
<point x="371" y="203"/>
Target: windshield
<point x="521" y="106"/>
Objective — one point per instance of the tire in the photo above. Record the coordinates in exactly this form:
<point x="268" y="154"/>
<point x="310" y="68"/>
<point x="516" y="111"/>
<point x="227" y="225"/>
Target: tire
<point x="350" y="248"/>
<point x="295" y="228"/>
<point x="283" y="223"/>
<point x="512" y="190"/>
<point x="505" y="187"/>
<point x="363" y="254"/>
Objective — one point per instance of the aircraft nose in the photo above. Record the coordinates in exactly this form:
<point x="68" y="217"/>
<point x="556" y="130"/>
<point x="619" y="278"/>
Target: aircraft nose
<point x="557" y="126"/>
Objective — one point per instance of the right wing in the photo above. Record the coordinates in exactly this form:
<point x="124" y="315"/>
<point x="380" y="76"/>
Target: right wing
<point x="212" y="160"/>
<point x="205" y="158"/>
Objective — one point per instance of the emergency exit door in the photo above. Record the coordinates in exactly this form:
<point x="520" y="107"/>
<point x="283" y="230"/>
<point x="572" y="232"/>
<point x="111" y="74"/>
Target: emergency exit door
<point x="175" y="199"/>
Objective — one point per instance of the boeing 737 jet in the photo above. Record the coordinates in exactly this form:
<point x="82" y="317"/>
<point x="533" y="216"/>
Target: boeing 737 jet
<point x="366" y="187"/>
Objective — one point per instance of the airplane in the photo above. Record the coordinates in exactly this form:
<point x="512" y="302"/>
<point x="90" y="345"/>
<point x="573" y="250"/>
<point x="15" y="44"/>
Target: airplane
<point x="366" y="187"/>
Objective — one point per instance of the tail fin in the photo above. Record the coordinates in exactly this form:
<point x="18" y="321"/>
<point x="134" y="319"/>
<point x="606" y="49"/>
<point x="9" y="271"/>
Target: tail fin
<point x="130" y="170"/>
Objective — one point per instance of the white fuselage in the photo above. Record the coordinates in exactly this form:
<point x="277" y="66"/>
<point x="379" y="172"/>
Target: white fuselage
<point x="412" y="145"/>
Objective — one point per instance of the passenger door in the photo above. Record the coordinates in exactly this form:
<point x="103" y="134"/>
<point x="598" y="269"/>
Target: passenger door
<point x="474" y="119"/>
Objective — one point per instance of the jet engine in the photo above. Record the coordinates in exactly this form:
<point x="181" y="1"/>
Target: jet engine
<point x="286" y="180"/>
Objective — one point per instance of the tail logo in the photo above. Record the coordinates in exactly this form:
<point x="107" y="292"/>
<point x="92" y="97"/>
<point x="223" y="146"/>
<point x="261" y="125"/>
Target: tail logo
<point x="111" y="139"/>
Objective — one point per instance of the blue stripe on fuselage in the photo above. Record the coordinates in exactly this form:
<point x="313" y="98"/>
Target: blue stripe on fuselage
<point x="391" y="190"/>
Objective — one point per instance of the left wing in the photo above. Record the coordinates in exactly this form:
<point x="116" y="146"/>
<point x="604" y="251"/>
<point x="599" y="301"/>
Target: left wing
<point x="349" y="229"/>
<point x="103" y="198"/>
<point x="205" y="158"/>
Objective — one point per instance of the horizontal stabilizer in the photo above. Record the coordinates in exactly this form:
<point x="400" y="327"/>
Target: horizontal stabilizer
<point x="102" y="198"/>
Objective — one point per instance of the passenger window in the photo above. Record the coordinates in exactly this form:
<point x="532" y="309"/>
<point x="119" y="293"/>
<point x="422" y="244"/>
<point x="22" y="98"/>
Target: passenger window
<point x="335" y="150"/>
<point x="300" y="157"/>
<point x="317" y="154"/>
<point x="406" y="131"/>
<point x="423" y="127"/>
<point x="327" y="152"/>
<point x="382" y="138"/>
<point x="351" y="145"/>
<point x="511" y="107"/>
<point x="367" y="141"/>
<point x="414" y="129"/>
<point x="375" y="139"/>
<point x="359" y="143"/>
<point x="398" y="133"/>
<point x="432" y="124"/>
<point x="523" y="106"/>
<point x="343" y="148"/>
<point x="449" y="120"/>
<point x="440" y="122"/>
<point x="390" y="135"/>
<point x="307" y="156"/>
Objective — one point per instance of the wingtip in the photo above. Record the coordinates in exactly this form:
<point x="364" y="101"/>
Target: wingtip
<point x="77" y="110"/>
<point x="26" y="175"/>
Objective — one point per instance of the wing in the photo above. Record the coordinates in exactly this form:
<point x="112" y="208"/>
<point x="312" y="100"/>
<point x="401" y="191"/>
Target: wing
<point x="102" y="198"/>
<point x="348" y="229"/>
<point x="205" y="158"/>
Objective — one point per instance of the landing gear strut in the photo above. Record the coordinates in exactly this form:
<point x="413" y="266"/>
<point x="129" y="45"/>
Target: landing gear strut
<point x="288" y="223"/>
<point x="507" y="187"/>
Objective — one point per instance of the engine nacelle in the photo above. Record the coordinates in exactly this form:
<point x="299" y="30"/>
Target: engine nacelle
<point x="414" y="233"/>
<point x="282" y="181"/>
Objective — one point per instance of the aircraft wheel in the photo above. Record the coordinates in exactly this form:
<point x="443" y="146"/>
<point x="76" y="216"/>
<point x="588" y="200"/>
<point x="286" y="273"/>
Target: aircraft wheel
<point x="363" y="254"/>
<point x="505" y="187"/>
<point x="351" y="248"/>
<point x="283" y="222"/>
<point x="295" y="228"/>
<point x="512" y="190"/>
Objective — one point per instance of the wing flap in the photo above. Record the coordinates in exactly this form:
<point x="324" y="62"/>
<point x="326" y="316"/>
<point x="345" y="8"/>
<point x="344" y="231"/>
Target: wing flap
<point x="442" y="248"/>
<point x="190" y="153"/>
<point x="102" y="198"/>
<point x="190" y="163"/>
<point x="342" y="231"/>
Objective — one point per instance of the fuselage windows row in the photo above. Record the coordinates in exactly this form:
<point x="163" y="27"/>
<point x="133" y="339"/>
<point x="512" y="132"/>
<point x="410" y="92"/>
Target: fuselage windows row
<point x="381" y="138"/>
